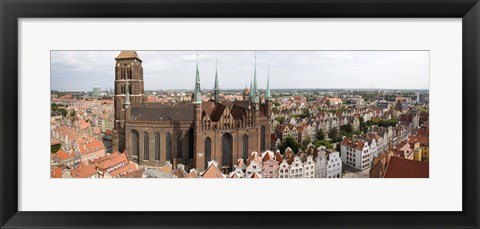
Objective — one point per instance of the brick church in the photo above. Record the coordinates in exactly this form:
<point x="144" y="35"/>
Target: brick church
<point x="189" y="133"/>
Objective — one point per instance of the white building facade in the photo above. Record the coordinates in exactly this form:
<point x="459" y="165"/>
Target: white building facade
<point x="334" y="165"/>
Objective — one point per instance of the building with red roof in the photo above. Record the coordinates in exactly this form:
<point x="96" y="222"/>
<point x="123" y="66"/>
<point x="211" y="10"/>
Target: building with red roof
<point x="111" y="162"/>
<point x="403" y="168"/>
<point x="84" y="171"/>
<point x="212" y="171"/>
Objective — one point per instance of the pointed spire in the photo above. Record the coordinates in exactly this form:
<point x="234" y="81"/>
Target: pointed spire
<point x="216" y="90"/>
<point x="216" y="75"/>
<point x="267" y="94"/>
<point x="251" y="88"/>
<point x="197" y="93"/>
<point x="127" y="95"/>
<point x="255" y="89"/>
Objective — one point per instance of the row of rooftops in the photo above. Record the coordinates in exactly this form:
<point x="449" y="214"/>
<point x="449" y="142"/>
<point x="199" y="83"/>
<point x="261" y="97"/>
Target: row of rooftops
<point x="101" y="165"/>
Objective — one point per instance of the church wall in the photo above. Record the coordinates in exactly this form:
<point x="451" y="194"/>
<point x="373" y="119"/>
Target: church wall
<point x="162" y="128"/>
<point x="237" y="144"/>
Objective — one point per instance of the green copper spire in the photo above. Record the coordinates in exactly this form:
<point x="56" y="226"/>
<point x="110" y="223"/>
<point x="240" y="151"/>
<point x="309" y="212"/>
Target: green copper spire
<point x="251" y="87"/>
<point x="197" y="94"/>
<point x="255" y="89"/>
<point x="216" y="91"/>
<point x="127" y="95"/>
<point x="267" y="94"/>
<point x="216" y="75"/>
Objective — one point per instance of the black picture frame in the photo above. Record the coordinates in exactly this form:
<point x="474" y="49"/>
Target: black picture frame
<point x="11" y="11"/>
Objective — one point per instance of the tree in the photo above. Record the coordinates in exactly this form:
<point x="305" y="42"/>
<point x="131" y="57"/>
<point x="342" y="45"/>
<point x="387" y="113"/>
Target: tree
<point x="62" y="111"/>
<point x="320" y="134"/>
<point x="305" y="143"/>
<point x="383" y="123"/>
<point x="333" y="133"/>
<point x="55" y="148"/>
<point x="289" y="142"/>
<point x="72" y="113"/>
<point x="363" y="126"/>
<point x="280" y="119"/>
<point x="325" y="143"/>
<point x="346" y="128"/>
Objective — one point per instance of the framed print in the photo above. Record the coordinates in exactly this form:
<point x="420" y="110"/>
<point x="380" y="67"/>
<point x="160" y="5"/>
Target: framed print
<point x="318" y="110"/>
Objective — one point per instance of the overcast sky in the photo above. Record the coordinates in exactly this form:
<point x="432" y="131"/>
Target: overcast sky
<point x="82" y="70"/>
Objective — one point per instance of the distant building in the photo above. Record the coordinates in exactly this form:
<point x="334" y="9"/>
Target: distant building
<point x="97" y="92"/>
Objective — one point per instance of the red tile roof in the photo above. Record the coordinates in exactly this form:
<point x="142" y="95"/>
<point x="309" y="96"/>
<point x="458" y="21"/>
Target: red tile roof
<point x="84" y="126"/>
<point x="128" y="55"/>
<point x="254" y="175"/>
<point x="404" y="168"/>
<point x="54" y="141"/>
<point x="92" y="146"/>
<point x="192" y="174"/>
<point x="266" y="157"/>
<point x="62" y="155"/>
<point x="358" y="144"/>
<point x="278" y="157"/>
<point x="57" y="172"/>
<point x="124" y="170"/>
<point x="84" y="171"/>
<point x="212" y="172"/>
<point x="113" y="159"/>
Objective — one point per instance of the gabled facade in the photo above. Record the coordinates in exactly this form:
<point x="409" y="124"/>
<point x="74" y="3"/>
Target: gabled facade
<point x="334" y="165"/>
<point x="309" y="167"/>
<point x="296" y="168"/>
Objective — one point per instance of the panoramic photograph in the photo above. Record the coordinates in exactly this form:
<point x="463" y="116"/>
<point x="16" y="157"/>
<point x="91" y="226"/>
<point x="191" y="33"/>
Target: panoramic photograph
<point x="239" y="114"/>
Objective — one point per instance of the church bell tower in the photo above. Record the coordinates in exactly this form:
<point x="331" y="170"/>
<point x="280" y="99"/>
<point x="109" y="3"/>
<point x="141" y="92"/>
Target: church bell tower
<point x="128" y="76"/>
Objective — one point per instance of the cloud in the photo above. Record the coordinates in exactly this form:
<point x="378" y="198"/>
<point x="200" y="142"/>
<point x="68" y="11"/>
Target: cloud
<point x="81" y="70"/>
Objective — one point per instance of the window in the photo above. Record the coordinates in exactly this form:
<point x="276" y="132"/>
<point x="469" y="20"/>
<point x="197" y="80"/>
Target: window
<point x="262" y="138"/>
<point x="157" y="146"/>
<point x="145" y="146"/>
<point x="245" y="147"/>
<point x="227" y="148"/>
<point x="208" y="151"/>
<point x="169" y="147"/>
<point x="179" y="145"/>
<point x="135" y="145"/>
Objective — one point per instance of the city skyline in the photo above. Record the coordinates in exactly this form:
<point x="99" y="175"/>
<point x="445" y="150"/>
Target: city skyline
<point x="166" y="70"/>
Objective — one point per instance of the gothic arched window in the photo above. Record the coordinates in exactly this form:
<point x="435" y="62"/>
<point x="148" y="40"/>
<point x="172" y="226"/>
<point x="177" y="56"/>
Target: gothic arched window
<point x="227" y="150"/>
<point x="245" y="147"/>
<point x="208" y="151"/>
<point x="179" y="145"/>
<point x="190" y="144"/>
<point x="169" y="147"/>
<point x="262" y="138"/>
<point x="157" y="146"/>
<point x="146" y="149"/>
<point x="134" y="138"/>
